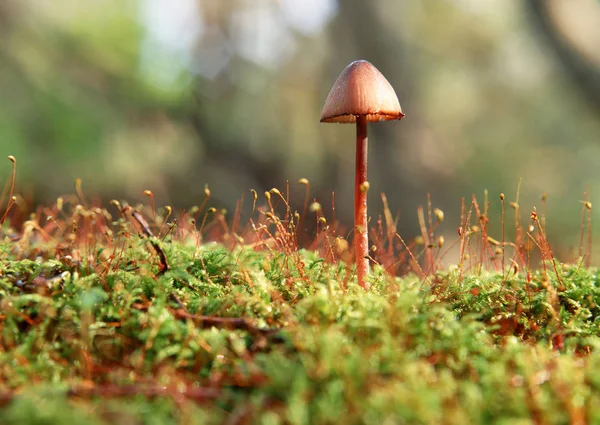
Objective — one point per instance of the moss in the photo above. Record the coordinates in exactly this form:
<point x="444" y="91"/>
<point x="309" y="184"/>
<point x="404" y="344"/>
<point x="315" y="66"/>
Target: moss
<point x="114" y="339"/>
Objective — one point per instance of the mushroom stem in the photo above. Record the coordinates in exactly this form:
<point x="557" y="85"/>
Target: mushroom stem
<point x="361" y="233"/>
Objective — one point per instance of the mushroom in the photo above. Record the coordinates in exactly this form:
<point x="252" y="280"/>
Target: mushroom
<point x="361" y="94"/>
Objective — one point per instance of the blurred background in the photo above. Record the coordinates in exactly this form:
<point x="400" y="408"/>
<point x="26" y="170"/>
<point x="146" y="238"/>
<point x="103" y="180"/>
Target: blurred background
<point x="173" y="95"/>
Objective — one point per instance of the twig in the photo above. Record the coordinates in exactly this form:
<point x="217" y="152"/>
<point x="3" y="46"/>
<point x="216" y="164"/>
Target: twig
<point x="197" y="394"/>
<point x="164" y="265"/>
<point x="224" y="323"/>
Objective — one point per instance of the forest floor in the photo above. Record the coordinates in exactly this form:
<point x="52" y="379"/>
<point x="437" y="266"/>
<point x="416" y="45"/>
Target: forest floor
<point x="139" y="318"/>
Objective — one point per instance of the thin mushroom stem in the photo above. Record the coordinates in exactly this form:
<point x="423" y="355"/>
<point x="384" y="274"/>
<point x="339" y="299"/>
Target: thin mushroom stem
<point x="361" y="186"/>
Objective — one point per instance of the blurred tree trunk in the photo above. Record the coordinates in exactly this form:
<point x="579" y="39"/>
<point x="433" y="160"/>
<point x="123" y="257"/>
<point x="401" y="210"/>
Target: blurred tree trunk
<point x="582" y="72"/>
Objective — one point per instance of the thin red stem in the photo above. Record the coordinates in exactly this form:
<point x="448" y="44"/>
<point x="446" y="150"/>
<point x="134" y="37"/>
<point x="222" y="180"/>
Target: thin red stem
<point x="361" y="233"/>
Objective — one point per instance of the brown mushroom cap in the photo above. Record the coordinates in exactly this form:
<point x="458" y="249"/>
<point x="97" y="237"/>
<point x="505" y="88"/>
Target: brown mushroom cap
<point x="361" y="90"/>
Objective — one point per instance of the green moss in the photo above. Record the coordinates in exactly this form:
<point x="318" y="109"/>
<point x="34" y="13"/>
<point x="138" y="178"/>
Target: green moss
<point x="477" y="349"/>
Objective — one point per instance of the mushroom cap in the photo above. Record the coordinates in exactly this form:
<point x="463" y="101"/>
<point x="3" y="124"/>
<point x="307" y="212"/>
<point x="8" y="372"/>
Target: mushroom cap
<point x="361" y="90"/>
